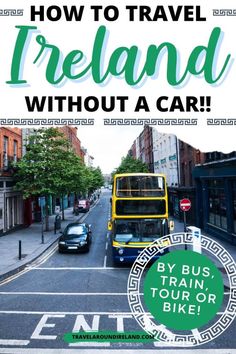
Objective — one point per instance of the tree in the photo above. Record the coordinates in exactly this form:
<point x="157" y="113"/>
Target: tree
<point x="95" y="180"/>
<point x="131" y="165"/>
<point x="49" y="167"/>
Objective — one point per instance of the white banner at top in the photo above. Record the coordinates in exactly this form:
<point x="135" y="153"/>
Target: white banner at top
<point x="170" y="66"/>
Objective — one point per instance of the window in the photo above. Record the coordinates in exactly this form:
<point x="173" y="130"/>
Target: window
<point x="76" y="230"/>
<point x="217" y="204"/>
<point x="190" y="167"/>
<point x="140" y="186"/>
<point x="5" y="152"/>
<point x="15" y="146"/>
<point x="10" y="184"/>
<point x="140" y="207"/>
<point x="234" y="203"/>
<point x="137" y="230"/>
<point x="198" y="157"/>
<point x="183" y="173"/>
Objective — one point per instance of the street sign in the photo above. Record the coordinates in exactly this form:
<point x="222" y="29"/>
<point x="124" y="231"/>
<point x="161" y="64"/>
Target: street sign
<point x="185" y="204"/>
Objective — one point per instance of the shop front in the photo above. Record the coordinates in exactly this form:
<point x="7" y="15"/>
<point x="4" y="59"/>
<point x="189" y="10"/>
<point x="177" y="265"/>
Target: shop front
<point x="216" y="198"/>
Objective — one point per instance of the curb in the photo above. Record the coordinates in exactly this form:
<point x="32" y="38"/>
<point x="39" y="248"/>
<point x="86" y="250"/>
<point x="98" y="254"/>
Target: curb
<point x="22" y="266"/>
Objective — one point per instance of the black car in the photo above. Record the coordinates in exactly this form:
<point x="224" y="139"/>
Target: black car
<point x="75" y="237"/>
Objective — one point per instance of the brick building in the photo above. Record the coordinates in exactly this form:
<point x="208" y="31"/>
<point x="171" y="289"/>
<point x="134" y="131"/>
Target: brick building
<point x="189" y="157"/>
<point x="142" y="147"/>
<point x="11" y="203"/>
<point x="71" y="134"/>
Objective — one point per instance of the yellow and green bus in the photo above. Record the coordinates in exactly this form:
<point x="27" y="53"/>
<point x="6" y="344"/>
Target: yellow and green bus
<point x="139" y="213"/>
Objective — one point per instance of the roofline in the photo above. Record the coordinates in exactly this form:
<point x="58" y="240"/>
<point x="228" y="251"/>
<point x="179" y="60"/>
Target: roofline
<point x="139" y="174"/>
<point x="216" y="162"/>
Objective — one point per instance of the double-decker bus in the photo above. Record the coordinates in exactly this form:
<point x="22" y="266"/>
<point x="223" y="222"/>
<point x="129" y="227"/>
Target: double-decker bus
<point x="139" y="213"/>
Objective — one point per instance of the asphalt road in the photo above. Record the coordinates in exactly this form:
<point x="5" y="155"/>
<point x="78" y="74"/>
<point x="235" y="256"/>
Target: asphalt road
<point x="70" y="292"/>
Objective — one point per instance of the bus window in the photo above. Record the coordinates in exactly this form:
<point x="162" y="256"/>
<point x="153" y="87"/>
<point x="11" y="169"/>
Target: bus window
<point x="126" y="230"/>
<point x="140" y="186"/>
<point x="151" y="230"/>
<point x="140" y="207"/>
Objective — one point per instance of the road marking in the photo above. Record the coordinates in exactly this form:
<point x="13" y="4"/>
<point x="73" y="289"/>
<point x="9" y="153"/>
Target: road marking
<point x="90" y="344"/>
<point x="13" y="342"/>
<point x="13" y="312"/>
<point x="105" y="262"/>
<point x="60" y="294"/>
<point x="106" y="246"/>
<point x="43" y="324"/>
<point x="114" y="351"/>
<point x="7" y="280"/>
<point x="196" y="334"/>
<point x="44" y="258"/>
<point x="78" y="268"/>
<point x="63" y="313"/>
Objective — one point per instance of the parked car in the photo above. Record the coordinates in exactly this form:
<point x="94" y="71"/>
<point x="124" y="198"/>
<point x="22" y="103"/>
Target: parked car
<point x="75" y="237"/>
<point x="82" y="205"/>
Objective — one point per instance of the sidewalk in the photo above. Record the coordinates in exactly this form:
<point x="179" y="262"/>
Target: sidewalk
<point x="31" y="243"/>
<point x="179" y="227"/>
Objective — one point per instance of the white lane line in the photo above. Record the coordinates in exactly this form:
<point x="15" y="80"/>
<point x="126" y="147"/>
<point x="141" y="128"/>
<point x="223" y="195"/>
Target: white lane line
<point x="107" y="235"/>
<point x="12" y="312"/>
<point x="78" y="268"/>
<point x="65" y="313"/>
<point x="59" y="294"/>
<point x="14" y="342"/>
<point x="114" y="351"/>
<point x="44" y="259"/>
<point x="90" y="344"/>
<point x="106" y="246"/>
<point x="105" y="262"/>
<point x="13" y="277"/>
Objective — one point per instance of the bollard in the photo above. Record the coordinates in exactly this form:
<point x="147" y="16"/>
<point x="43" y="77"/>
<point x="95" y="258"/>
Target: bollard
<point x="19" y="249"/>
<point x="42" y="234"/>
<point x="196" y="234"/>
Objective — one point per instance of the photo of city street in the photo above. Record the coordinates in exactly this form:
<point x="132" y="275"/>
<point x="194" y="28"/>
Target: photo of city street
<point x="49" y="182"/>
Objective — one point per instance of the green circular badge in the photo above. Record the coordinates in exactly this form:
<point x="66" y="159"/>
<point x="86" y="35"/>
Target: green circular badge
<point x="183" y="290"/>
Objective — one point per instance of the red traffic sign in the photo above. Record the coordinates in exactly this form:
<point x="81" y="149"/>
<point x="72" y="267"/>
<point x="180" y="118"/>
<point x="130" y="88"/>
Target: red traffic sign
<point x="185" y="204"/>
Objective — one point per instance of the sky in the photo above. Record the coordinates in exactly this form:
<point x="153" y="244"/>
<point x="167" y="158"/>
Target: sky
<point x="108" y="144"/>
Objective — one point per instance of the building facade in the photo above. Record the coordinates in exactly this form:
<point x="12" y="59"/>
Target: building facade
<point x="70" y="134"/>
<point x="88" y="159"/>
<point x="165" y="156"/>
<point x="11" y="201"/>
<point x="189" y="157"/>
<point x="142" y="147"/>
<point x="216" y="195"/>
<point x="207" y="179"/>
